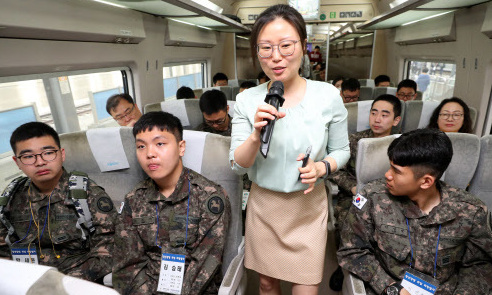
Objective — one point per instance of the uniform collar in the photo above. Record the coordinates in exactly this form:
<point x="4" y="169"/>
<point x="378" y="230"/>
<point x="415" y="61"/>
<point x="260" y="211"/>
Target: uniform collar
<point x="57" y="195"/>
<point x="180" y="191"/>
<point x="443" y="212"/>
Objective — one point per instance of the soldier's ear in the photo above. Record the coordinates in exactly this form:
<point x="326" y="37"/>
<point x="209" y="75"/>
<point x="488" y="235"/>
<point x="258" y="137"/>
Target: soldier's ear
<point x="427" y="181"/>
<point x="182" y="148"/>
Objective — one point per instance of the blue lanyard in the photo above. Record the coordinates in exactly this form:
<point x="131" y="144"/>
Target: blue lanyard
<point x="187" y="215"/>
<point x="411" y="249"/>
<point x="44" y="225"/>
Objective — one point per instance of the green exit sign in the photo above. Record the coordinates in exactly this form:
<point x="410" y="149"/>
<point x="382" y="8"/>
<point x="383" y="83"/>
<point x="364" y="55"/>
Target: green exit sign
<point x="333" y="15"/>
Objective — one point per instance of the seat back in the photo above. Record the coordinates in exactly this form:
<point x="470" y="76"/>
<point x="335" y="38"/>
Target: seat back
<point x="208" y="154"/>
<point x="365" y="93"/>
<point x="417" y="114"/>
<point x="466" y="152"/>
<point x="367" y="82"/>
<point x="358" y="116"/>
<point x="372" y="159"/>
<point x="96" y="150"/>
<point x="419" y="95"/>
<point x="383" y="90"/>
<point x="187" y="111"/>
<point x="481" y="184"/>
<point x="198" y="92"/>
<point x="473" y="116"/>
<point x="8" y="172"/>
<point x="235" y="91"/>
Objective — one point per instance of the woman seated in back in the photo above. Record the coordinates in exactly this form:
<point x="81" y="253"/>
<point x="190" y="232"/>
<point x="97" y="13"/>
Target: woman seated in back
<point x="451" y="115"/>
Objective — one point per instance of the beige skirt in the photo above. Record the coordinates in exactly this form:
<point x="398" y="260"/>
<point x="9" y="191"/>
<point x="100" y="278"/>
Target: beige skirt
<point x="286" y="234"/>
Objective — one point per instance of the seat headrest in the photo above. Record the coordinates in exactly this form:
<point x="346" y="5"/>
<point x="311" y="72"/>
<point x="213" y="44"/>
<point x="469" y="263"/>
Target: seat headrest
<point x="107" y="148"/>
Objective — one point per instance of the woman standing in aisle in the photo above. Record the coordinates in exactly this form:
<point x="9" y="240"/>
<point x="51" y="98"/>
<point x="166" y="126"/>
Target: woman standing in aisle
<point x="286" y="223"/>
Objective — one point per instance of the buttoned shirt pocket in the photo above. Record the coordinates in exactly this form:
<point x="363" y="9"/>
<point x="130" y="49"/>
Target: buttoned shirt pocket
<point x="451" y="250"/>
<point x="146" y="227"/>
<point x="20" y="222"/>
<point x="177" y="232"/>
<point x="393" y="244"/>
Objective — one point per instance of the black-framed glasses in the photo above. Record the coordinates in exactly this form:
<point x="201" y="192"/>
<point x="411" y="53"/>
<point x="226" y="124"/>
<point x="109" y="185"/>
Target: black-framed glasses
<point x="285" y="48"/>
<point x="407" y="96"/>
<point x="454" y="116"/>
<point x="127" y="113"/>
<point x="30" y="159"/>
<point x="216" y="122"/>
<point x="350" y="98"/>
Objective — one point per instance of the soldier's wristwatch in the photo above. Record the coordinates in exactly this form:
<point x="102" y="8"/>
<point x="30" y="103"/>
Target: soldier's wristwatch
<point x="393" y="289"/>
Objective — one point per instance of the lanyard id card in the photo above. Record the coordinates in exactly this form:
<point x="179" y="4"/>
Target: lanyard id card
<point x="24" y="254"/>
<point x="172" y="273"/>
<point x="417" y="283"/>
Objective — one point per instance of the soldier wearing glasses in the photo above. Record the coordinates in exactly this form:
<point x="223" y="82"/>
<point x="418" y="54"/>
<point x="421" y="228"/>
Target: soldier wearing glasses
<point x="123" y="109"/>
<point x="39" y="215"/>
<point x="213" y="105"/>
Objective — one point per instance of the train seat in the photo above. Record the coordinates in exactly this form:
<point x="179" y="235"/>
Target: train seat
<point x="358" y="116"/>
<point x="107" y="155"/>
<point x="481" y="186"/>
<point x="198" y="92"/>
<point x="208" y="154"/>
<point x="367" y="82"/>
<point x="8" y="172"/>
<point x="466" y="152"/>
<point x="227" y="90"/>
<point x="383" y="90"/>
<point x="187" y="110"/>
<point x="109" y="122"/>
<point x="24" y="278"/>
<point x="419" y="95"/>
<point x="366" y="93"/>
<point x="235" y="91"/>
<point x="417" y="114"/>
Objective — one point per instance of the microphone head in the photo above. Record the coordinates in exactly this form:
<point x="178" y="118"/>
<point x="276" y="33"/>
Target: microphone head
<point x="277" y="88"/>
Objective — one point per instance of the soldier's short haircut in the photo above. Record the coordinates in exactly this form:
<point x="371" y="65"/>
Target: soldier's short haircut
<point x="185" y="92"/>
<point x="160" y="120"/>
<point x="114" y="100"/>
<point x="213" y="101"/>
<point x="31" y="130"/>
<point x="218" y="77"/>
<point x="425" y="151"/>
<point x="392" y="100"/>
<point x="351" y="84"/>
<point x="381" y="79"/>
<point x="407" y="83"/>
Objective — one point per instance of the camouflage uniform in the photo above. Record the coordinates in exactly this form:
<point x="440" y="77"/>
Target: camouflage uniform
<point x="90" y="260"/>
<point x="345" y="177"/>
<point x="375" y="245"/>
<point x="137" y="258"/>
<point x="207" y="128"/>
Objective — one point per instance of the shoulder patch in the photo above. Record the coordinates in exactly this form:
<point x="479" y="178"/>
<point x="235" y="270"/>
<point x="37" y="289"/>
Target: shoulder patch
<point x="215" y="204"/>
<point x="359" y="201"/>
<point x="104" y="204"/>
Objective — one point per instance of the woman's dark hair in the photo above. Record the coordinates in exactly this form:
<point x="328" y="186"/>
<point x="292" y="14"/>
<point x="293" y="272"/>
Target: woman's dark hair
<point x="467" y="122"/>
<point x="282" y="11"/>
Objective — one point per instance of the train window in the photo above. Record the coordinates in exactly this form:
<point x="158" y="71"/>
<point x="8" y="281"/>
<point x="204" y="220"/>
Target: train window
<point x="435" y="79"/>
<point x="69" y="101"/>
<point x="190" y="75"/>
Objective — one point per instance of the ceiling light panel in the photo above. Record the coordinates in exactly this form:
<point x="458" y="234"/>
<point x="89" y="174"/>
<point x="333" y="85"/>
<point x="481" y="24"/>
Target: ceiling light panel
<point x="448" y="4"/>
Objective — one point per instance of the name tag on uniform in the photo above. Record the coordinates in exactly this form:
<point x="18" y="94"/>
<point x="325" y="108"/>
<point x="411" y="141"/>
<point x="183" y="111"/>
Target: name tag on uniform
<point x="245" y="199"/>
<point x="417" y="283"/>
<point x="172" y="273"/>
<point x="23" y="254"/>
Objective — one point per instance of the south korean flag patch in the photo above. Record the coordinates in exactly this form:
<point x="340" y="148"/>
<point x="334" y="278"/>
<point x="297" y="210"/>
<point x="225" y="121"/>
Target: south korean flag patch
<point x="359" y="201"/>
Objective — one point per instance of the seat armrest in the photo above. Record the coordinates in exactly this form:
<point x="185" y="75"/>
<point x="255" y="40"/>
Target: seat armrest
<point x="233" y="277"/>
<point x="352" y="285"/>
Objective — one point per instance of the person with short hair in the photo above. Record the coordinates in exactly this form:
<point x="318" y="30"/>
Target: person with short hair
<point x="286" y="223"/>
<point x="337" y="82"/>
<point x="382" y="81"/>
<point x="185" y="92"/>
<point x="452" y="115"/>
<point x="220" y="79"/>
<point x="123" y="109"/>
<point x="215" y="111"/>
<point x="423" y="80"/>
<point x="406" y="90"/>
<point x="385" y="114"/>
<point x="246" y="85"/>
<point x="411" y="226"/>
<point x="262" y="78"/>
<point x="350" y="90"/>
<point x="174" y="212"/>
<point x="65" y="219"/>
<point x="315" y="55"/>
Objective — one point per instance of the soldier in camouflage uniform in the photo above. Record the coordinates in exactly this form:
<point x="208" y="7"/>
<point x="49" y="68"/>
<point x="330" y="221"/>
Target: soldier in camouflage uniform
<point x="213" y="104"/>
<point x="153" y="218"/>
<point x="44" y="216"/>
<point x="384" y="115"/>
<point x="413" y="202"/>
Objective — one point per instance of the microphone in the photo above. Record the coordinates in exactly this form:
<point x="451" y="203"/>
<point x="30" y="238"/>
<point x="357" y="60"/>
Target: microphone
<point x="274" y="97"/>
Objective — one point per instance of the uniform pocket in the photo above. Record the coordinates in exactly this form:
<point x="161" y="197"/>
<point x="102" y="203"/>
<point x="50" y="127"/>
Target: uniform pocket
<point x="177" y="232"/>
<point x="393" y="241"/>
